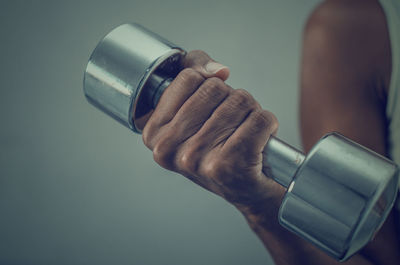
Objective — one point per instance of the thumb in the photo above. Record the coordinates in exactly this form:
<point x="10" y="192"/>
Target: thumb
<point x="207" y="67"/>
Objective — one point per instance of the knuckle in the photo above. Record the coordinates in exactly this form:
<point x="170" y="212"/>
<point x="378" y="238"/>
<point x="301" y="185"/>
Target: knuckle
<point x="271" y="120"/>
<point x="190" y="75"/>
<point x="274" y="123"/>
<point x="242" y="99"/>
<point x="215" y="169"/>
<point x="259" y="119"/>
<point x="264" y="120"/>
<point x="196" y="53"/>
<point x="147" y="136"/>
<point x="162" y="153"/>
<point x="213" y="89"/>
<point x="194" y="57"/>
<point x="188" y="161"/>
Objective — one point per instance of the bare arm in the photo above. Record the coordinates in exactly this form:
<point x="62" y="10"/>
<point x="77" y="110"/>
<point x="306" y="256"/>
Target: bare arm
<point x="345" y="78"/>
<point x="344" y="81"/>
<point x="214" y="134"/>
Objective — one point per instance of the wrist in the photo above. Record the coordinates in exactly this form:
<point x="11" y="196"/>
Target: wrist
<point x="265" y="207"/>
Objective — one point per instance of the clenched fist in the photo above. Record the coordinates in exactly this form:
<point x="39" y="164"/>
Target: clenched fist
<point x="211" y="133"/>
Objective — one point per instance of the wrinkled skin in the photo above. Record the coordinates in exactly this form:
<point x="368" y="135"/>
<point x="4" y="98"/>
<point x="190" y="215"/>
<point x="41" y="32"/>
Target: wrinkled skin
<point x="211" y="133"/>
<point x="214" y="134"/>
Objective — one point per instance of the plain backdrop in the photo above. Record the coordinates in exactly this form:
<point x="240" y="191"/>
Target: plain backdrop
<point x="76" y="187"/>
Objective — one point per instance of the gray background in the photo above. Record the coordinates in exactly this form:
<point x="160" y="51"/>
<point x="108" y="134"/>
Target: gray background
<point x="78" y="188"/>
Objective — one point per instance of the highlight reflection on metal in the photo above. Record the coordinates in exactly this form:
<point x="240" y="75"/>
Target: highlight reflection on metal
<point x="126" y="60"/>
<point x="338" y="196"/>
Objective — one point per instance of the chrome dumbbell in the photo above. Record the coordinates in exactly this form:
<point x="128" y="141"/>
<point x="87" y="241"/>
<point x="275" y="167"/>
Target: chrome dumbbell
<point x="337" y="196"/>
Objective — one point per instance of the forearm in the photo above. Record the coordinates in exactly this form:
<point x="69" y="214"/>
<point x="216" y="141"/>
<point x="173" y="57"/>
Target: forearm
<point x="284" y="246"/>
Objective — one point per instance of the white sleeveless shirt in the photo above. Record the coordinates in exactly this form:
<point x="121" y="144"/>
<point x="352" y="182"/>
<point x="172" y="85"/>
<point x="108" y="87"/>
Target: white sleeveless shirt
<point x="392" y="12"/>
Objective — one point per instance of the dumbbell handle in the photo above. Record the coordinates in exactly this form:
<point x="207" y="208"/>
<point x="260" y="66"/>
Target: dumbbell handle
<point x="280" y="160"/>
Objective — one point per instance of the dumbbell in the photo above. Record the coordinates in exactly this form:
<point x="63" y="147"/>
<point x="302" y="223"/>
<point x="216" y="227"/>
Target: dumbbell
<point x="337" y="196"/>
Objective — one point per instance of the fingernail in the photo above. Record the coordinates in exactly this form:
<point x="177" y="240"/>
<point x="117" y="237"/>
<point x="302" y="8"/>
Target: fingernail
<point x="213" y="67"/>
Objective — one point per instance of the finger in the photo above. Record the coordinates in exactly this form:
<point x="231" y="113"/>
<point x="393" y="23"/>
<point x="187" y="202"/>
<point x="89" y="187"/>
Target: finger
<point x="226" y="118"/>
<point x="246" y="144"/>
<point x="171" y="153"/>
<point x="199" y="107"/>
<point x="175" y="95"/>
<point x="189" y="119"/>
<point x="207" y="67"/>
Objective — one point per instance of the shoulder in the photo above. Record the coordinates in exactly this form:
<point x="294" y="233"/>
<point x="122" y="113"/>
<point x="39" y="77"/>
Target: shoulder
<point x="344" y="16"/>
<point x="351" y="34"/>
<point x="345" y="71"/>
<point x="350" y="24"/>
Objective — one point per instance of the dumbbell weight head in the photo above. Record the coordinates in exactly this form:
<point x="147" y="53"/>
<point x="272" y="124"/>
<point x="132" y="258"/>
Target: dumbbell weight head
<point x="338" y="196"/>
<point x="128" y="71"/>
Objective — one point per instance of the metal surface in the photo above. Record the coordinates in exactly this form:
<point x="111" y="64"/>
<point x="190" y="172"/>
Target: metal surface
<point x="338" y="196"/>
<point x="281" y="161"/>
<point x="121" y="65"/>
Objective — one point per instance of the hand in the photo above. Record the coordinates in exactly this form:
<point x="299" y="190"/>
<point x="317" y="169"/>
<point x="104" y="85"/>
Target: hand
<point x="211" y="133"/>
